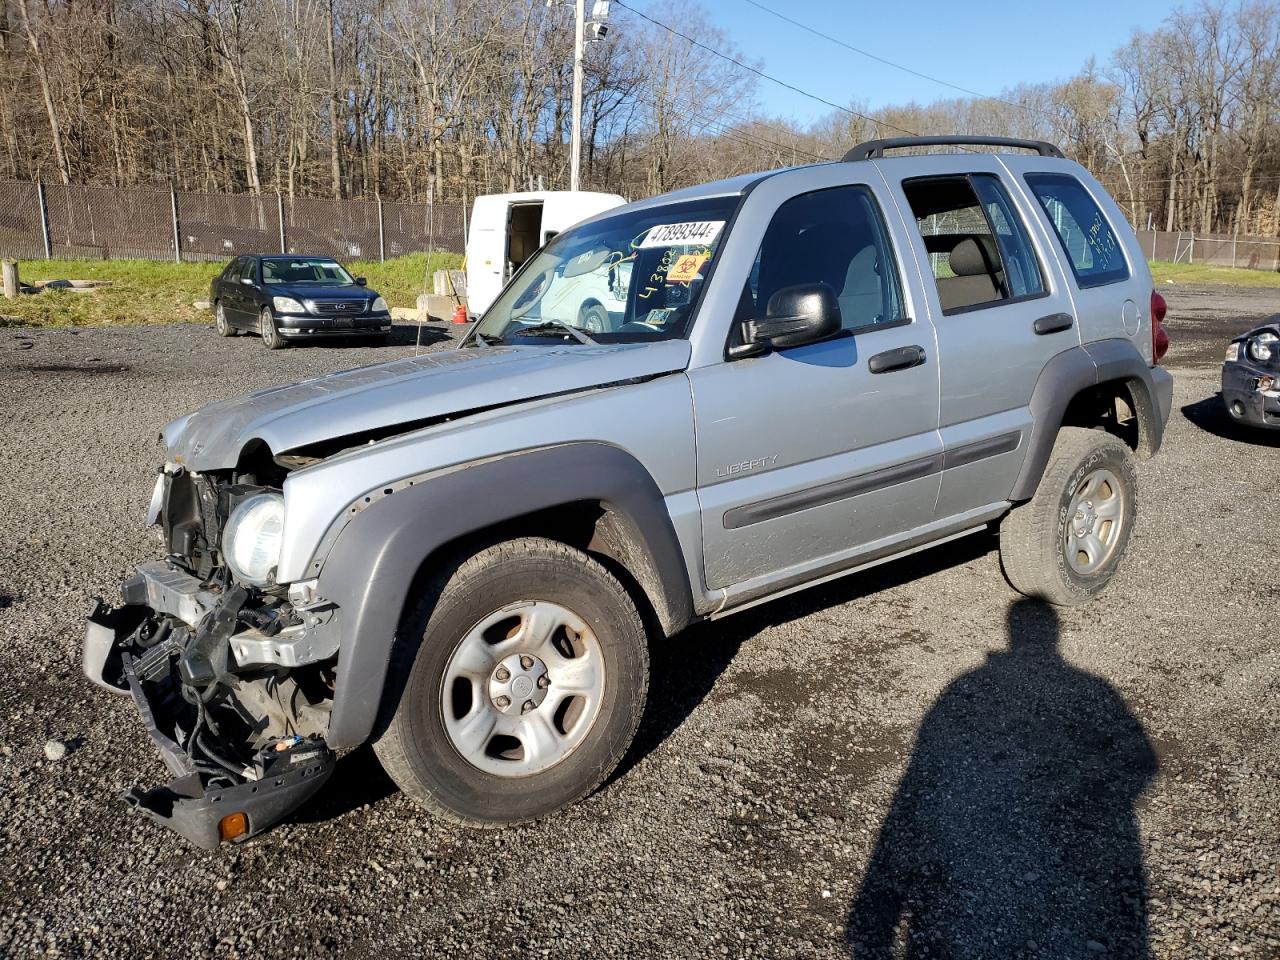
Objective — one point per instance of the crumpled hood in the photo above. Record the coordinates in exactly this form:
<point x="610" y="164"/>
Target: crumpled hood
<point x="404" y="391"/>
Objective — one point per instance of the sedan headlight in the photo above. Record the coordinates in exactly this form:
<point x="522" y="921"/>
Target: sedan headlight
<point x="379" y="305"/>
<point x="287" y="305"/>
<point x="1262" y="346"/>
<point x="252" y="538"/>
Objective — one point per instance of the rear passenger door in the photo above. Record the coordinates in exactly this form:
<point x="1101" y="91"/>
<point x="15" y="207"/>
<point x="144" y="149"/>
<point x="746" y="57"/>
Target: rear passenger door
<point x="246" y="284"/>
<point x="806" y="456"/>
<point x="1001" y="309"/>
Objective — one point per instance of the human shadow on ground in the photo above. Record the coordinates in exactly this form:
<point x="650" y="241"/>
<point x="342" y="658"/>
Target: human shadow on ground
<point x="1013" y="832"/>
<point x="1211" y="416"/>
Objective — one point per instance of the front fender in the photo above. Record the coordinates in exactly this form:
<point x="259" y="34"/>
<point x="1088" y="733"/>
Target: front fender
<point x="372" y="565"/>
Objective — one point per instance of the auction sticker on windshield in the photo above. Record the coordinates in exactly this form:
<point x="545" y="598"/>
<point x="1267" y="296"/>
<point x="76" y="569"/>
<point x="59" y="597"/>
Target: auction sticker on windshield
<point x="682" y="234"/>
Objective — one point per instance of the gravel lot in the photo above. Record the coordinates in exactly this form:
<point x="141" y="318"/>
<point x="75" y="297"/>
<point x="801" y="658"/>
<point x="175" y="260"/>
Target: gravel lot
<point x="912" y="748"/>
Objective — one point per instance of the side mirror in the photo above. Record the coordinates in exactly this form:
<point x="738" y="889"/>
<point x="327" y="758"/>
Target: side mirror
<point x="796" y="315"/>
<point x="362" y="282"/>
<point x="247" y="281"/>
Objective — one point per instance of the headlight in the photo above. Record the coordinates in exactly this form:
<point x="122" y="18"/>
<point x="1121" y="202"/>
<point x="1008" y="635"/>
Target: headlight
<point x="1233" y="352"/>
<point x="379" y="305"/>
<point x="287" y="305"/>
<point x="252" y="538"/>
<point x="1261" y="346"/>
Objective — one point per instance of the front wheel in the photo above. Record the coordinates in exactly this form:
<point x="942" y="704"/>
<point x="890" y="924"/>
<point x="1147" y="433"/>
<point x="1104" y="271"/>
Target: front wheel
<point x="1065" y="543"/>
<point x="524" y="674"/>
<point x="270" y="331"/>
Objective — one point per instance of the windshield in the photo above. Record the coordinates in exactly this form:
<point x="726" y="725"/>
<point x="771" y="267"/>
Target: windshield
<point x="631" y="277"/>
<point x="305" y="270"/>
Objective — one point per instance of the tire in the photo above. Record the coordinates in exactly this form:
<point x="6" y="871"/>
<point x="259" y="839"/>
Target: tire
<point x="594" y="318"/>
<point x="269" y="331"/>
<point x="1089" y="486"/>
<point x="447" y="682"/>
<point x="220" y="322"/>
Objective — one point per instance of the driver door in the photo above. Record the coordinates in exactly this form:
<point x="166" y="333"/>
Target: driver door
<point x="810" y="456"/>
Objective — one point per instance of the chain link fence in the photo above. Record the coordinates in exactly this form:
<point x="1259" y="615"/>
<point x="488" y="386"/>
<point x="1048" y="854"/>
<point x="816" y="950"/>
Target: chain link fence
<point x="1213" y="249"/>
<point x="52" y="220"/>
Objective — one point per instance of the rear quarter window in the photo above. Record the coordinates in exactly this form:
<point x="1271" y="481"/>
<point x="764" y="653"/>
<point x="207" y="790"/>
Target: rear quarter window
<point x="1090" y="243"/>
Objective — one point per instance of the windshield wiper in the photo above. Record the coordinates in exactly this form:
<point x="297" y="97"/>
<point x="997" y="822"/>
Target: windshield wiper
<point x="554" y="327"/>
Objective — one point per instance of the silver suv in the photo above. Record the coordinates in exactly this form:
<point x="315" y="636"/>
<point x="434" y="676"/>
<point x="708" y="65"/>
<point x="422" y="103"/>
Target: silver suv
<point x="741" y="389"/>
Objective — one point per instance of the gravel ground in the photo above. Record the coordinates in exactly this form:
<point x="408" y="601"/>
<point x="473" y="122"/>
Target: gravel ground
<point x="911" y="755"/>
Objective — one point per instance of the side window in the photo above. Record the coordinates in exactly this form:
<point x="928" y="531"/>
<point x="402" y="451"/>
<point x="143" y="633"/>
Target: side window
<point x="232" y="270"/>
<point x="248" y="270"/>
<point x="1086" y="236"/>
<point x="836" y="237"/>
<point x="977" y="244"/>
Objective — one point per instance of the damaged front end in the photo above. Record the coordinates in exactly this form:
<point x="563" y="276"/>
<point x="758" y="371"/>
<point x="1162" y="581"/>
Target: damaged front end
<point x="233" y="681"/>
<point x="1251" y="377"/>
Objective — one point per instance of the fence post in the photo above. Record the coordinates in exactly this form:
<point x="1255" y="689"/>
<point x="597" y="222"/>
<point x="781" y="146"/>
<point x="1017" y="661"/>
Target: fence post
<point x="382" y="237"/>
<point x="280" y="218"/>
<point x="177" y="233"/>
<point x="44" y="220"/>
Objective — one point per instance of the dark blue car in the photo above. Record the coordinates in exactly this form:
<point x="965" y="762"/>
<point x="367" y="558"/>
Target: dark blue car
<point x="285" y="298"/>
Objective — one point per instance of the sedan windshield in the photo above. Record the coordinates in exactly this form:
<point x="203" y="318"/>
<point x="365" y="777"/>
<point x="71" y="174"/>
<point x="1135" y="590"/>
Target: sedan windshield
<point x="305" y="270"/>
<point x="631" y="277"/>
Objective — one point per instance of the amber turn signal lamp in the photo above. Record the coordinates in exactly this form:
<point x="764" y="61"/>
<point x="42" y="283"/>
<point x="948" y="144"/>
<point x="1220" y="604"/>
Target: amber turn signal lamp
<point x="233" y="825"/>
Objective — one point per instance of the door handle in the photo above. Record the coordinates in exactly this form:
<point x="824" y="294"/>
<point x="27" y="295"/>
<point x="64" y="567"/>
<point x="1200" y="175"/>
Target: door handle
<point x="899" y="359"/>
<point x="1053" y="323"/>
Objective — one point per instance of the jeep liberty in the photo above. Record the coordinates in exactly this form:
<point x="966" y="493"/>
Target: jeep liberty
<point x="463" y="556"/>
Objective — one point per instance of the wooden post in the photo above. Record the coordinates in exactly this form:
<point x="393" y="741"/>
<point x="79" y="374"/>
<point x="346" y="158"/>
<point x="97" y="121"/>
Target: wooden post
<point x="10" y="270"/>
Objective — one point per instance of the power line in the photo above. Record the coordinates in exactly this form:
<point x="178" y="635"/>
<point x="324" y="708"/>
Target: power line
<point x="897" y="66"/>
<point x="760" y="73"/>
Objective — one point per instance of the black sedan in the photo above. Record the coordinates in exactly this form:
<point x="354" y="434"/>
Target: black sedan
<point x="1251" y="376"/>
<point x="285" y="298"/>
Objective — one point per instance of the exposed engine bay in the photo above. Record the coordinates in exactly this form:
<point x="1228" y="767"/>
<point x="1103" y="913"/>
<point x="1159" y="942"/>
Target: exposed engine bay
<point x="231" y="679"/>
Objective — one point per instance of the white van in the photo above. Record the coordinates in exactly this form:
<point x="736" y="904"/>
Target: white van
<point x="506" y="229"/>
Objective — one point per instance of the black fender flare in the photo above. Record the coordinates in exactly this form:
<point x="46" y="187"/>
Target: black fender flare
<point x="372" y="564"/>
<point x="1080" y="368"/>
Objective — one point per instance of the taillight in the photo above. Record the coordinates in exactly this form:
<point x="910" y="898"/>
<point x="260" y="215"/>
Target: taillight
<point x="1159" y="338"/>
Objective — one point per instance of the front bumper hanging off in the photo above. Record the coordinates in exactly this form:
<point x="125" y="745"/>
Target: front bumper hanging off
<point x="210" y="799"/>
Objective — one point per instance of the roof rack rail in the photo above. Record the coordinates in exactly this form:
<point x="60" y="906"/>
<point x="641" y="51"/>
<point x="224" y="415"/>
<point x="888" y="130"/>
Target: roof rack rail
<point x="874" y="149"/>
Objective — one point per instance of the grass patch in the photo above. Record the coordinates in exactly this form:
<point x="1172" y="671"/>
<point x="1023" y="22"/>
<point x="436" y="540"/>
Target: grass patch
<point x="1166" y="272"/>
<point x="153" y="291"/>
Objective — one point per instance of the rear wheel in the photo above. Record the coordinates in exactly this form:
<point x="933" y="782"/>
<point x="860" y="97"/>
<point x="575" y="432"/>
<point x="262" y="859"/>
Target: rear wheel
<point x="1065" y="543"/>
<point x="270" y="331"/>
<point x="525" y="672"/>
<point x="220" y="322"/>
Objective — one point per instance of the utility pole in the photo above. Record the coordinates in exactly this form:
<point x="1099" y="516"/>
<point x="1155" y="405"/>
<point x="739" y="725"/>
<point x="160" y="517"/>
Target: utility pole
<point x="575" y="135"/>
<point x="596" y="29"/>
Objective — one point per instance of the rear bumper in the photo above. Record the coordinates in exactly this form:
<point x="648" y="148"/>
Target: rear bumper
<point x="1244" y="399"/>
<point x="221" y="789"/>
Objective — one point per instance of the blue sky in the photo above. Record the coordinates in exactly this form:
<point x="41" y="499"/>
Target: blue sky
<point x="983" y="46"/>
